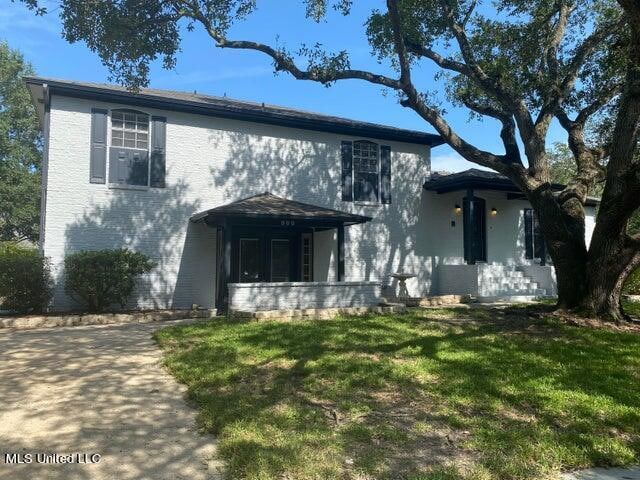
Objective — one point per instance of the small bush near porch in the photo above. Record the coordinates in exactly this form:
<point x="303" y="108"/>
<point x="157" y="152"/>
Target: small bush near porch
<point x="434" y="394"/>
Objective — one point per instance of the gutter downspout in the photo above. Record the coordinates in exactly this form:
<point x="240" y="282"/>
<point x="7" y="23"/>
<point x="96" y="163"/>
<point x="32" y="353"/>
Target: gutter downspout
<point x="46" y="123"/>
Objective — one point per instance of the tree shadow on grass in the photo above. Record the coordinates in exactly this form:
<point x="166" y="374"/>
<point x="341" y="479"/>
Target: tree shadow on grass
<point x="534" y="395"/>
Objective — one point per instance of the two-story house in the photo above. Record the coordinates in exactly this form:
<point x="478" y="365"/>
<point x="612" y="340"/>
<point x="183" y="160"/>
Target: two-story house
<point x="250" y="205"/>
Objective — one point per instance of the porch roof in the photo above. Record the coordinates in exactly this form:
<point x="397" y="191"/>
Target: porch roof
<point x="482" y="180"/>
<point x="271" y="207"/>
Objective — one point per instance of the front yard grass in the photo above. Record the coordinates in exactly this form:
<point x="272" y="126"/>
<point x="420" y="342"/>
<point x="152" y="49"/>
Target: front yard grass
<point x="433" y="394"/>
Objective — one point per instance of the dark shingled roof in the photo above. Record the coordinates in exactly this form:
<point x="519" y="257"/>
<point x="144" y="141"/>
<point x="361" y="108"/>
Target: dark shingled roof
<point x="269" y="206"/>
<point x="481" y="180"/>
<point x="234" y="109"/>
<point x="472" y="178"/>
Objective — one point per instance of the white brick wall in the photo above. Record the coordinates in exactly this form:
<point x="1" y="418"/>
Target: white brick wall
<point x="211" y="162"/>
<point x="300" y="295"/>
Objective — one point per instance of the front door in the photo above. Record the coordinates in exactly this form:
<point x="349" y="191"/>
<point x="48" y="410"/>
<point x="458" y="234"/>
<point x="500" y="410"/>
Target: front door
<point x="266" y="255"/>
<point x="280" y="260"/>
<point x="475" y="239"/>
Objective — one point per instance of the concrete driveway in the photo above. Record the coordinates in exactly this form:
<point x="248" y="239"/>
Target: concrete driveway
<point x="99" y="389"/>
<point x="605" y="474"/>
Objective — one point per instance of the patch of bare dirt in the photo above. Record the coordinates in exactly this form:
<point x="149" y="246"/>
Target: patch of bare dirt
<point x="572" y="319"/>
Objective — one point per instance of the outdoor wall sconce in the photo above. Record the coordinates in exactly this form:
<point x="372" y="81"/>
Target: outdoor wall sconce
<point x="494" y="211"/>
<point x="458" y="209"/>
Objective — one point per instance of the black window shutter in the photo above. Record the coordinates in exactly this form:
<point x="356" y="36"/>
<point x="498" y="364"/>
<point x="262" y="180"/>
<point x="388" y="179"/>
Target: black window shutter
<point x="528" y="232"/>
<point x="158" y="151"/>
<point x="347" y="171"/>
<point x="385" y="174"/>
<point x="98" y="156"/>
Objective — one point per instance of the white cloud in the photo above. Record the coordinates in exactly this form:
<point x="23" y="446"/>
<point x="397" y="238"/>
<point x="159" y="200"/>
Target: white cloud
<point x="451" y="162"/>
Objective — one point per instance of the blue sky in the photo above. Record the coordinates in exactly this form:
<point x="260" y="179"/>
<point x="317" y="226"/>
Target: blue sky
<point x="249" y="75"/>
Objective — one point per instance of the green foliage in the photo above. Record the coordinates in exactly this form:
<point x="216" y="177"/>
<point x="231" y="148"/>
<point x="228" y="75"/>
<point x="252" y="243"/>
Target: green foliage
<point x="25" y="279"/>
<point x="632" y="285"/>
<point x="103" y="278"/>
<point x="561" y="163"/>
<point x="438" y="394"/>
<point x="20" y="151"/>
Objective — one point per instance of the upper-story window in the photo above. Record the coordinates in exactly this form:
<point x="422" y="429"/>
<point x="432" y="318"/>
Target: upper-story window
<point x="129" y="129"/>
<point x="129" y="150"/>
<point x="132" y="144"/>
<point x="366" y="171"/>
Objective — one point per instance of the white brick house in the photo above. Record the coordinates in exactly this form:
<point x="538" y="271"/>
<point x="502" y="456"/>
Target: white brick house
<point x="183" y="178"/>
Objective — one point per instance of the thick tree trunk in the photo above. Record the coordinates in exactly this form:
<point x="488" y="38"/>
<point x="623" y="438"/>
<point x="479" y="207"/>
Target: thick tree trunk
<point x="589" y="282"/>
<point x="606" y="276"/>
<point x="563" y="230"/>
<point x="613" y="254"/>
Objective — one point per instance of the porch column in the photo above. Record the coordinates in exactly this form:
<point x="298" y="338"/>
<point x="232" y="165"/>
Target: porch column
<point x="467" y="229"/>
<point x="223" y="259"/>
<point x="340" y="263"/>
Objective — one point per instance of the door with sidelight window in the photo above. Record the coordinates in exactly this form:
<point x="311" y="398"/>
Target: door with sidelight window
<point x="272" y="256"/>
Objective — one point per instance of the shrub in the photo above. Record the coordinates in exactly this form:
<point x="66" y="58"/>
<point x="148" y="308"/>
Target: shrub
<point x="632" y="285"/>
<point x="104" y="277"/>
<point x="25" y="279"/>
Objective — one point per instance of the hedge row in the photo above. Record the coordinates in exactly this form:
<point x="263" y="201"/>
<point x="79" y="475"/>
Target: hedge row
<point x="25" y="279"/>
<point x="96" y="279"/>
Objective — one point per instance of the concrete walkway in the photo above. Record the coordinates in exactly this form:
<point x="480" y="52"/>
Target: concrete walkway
<point x="99" y="389"/>
<point x="605" y="474"/>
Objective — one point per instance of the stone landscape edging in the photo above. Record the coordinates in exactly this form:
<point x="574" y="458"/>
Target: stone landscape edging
<point x="83" y="319"/>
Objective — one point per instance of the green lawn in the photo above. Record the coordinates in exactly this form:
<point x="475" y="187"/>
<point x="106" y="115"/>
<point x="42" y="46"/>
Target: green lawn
<point x="434" y="394"/>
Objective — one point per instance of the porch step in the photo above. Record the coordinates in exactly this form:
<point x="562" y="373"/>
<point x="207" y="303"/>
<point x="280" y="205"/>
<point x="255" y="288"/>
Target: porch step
<point x="502" y="281"/>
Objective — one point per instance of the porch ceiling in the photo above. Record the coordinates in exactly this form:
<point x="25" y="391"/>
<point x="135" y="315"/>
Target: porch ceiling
<point x="267" y="206"/>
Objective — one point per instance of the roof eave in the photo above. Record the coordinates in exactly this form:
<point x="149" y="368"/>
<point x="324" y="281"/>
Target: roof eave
<point x="443" y="185"/>
<point x="236" y="113"/>
<point x="346" y="219"/>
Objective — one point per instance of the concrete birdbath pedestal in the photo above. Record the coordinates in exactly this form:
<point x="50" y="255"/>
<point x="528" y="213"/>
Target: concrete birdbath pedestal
<point x="402" y="283"/>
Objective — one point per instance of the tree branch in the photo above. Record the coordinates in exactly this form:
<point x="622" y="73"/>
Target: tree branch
<point x="509" y="164"/>
<point x="442" y="62"/>
<point x="551" y="53"/>
<point x="589" y="170"/>
<point x="508" y="131"/>
<point x="431" y="115"/>
<point x="563" y="85"/>
<point x="283" y="62"/>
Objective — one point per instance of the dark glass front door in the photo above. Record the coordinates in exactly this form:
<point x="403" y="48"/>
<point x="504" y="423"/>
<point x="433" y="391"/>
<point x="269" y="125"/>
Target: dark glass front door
<point x="280" y="260"/>
<point x="475" y="240"/>
<point x="268" y="255"/>
<point x="250" y="260"/>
